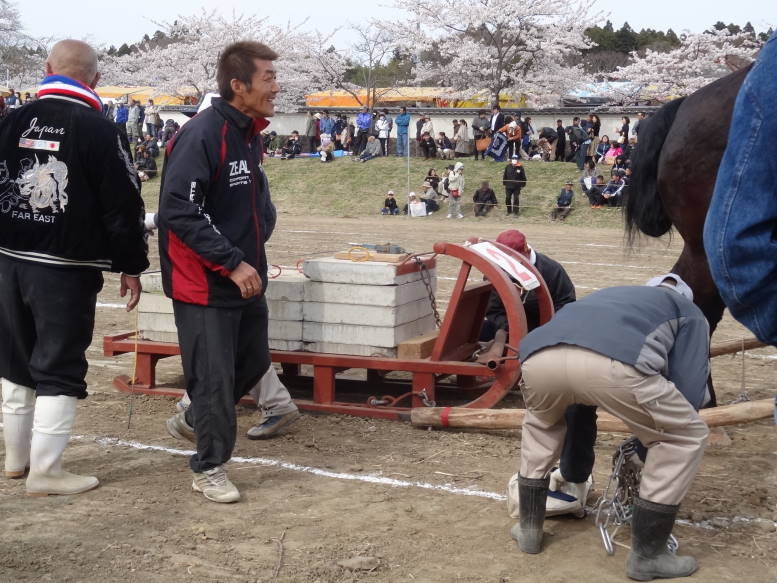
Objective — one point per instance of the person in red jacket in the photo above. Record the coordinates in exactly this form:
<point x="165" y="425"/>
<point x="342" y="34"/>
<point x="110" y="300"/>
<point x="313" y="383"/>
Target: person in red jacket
<point x="215" y="216"/>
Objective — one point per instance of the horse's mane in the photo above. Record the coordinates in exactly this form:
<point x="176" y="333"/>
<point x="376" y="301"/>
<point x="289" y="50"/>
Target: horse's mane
<point x="644" y="211"/>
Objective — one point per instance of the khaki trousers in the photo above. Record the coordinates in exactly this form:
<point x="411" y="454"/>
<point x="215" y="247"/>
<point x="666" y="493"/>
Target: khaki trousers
<point x="271" y="395"/>
<point x="651" y="406"/>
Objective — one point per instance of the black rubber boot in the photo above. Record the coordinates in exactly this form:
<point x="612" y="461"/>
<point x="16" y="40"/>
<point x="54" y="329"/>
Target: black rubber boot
<point x="651" y="525"/>
<point x="532" y="494"/>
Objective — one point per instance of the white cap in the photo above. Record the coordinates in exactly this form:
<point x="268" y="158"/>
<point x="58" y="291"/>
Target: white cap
<point x="680" y="286"/>
<point x="390" y="192"/>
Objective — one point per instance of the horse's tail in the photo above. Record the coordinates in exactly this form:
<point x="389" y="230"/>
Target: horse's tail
<point x="644" y="210"/>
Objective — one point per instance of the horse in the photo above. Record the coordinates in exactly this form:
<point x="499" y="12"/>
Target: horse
<point x="673" y="175"/>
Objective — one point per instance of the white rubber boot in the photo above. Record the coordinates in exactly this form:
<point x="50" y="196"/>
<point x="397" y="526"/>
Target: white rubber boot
<point x="54" y="418"/>
<point x="18" y="408"/>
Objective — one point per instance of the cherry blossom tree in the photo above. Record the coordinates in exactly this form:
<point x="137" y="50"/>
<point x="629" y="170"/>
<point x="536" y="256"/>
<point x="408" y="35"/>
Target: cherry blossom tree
<point x="187" y="64"/>
<point x="519" y="46"/>
<point x="21" y="56"/>
<point x="699" y="60"/>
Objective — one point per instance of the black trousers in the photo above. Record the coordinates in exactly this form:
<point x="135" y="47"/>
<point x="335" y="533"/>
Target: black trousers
<point x="361" y="140"/>
<point x="482" y="209"/>
<point x="224" y="353"/>
<point x="46" y="325"/>
<point x="512" y="200"/>
<point x="577" y="456"/>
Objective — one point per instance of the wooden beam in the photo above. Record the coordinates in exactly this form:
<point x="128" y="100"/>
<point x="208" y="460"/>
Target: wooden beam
<point x="734" y="346"/>
<point x="513" y="418"/>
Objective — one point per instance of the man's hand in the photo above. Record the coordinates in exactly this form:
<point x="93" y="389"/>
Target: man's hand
<point x="131" y="284"/>
<point x="247" y="279"/>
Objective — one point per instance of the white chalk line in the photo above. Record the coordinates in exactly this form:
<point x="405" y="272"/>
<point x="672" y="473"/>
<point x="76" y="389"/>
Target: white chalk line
<point x="103" y="305"/>
<point x="708" y="524"/>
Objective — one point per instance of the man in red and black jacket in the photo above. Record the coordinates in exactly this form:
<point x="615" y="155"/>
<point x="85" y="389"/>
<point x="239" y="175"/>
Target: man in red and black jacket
<point x="215" y="215"/>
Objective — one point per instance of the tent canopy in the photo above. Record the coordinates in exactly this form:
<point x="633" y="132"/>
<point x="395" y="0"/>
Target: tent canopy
<point x="143" y="93"/>
<point x="413" y="96"/>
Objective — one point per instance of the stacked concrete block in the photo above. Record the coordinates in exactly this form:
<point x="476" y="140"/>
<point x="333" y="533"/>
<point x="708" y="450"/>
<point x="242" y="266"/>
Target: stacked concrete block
<point x="285" y="296"/>
<point x="363" y="308"/>
<point x="155" y="311"/>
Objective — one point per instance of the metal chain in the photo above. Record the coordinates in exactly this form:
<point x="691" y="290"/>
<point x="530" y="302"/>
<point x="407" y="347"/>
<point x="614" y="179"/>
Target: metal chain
<point x="616" y="505"/>
<point x="427" y="279"/>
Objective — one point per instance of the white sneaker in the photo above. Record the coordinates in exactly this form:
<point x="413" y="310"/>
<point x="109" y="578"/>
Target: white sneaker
<point x="459" y="216"/>
<point x="215" y="486"/>
<point x="449" y="216"/>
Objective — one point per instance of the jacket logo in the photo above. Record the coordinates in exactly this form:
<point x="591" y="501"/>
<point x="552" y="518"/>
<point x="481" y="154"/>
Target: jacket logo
<point x="239" y="173"/>
<point x="38" y="131"/>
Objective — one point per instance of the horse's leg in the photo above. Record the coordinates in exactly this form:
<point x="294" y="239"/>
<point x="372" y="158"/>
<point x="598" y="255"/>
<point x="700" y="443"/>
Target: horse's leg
<point x="692" y="267"/>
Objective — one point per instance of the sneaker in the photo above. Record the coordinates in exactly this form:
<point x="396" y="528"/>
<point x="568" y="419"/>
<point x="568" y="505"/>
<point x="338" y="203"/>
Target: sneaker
<point x="271" y="426"/>
<point x="460" y="216"/>
<point x="215" y="486"/>
<point x="179" y="428"/>
<point x="449" y="217"/>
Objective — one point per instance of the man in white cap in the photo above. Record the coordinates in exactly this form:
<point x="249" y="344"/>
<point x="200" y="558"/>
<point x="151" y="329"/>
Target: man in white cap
<point x="642" y="354"/>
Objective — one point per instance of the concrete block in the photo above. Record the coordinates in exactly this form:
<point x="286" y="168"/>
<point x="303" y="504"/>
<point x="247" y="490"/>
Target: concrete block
<point x="282" y="310"/>
<point x="350" y="349"/>
<point x="331" y="270"/>
<point x="366" y="295"/>
<point x="284" y="330"/>
<point x="286" y="344"/>
<point x="288" y="287"/>
<point x="153" y="322"/>
<point x="153" y="303"/>
<point x="151" y="282"/>
<point x="366" y="315"/>
<point x="383" y="336"/>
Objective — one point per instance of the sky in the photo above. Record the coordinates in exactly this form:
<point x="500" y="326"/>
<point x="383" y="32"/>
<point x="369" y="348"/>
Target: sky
<point x="113" y="23"/>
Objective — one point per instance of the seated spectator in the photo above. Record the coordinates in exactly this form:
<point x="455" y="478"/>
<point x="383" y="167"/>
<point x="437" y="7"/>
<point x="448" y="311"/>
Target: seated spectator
<point x="614" y="151"/>
<point x="595" y="193"/>
<point x="484" y="199"/>
<point x="613" y="192"/>
<point x="628" y="148"/>
<point x="415" y="207"/>
<point x="588" y="177"/>
<point x="444" y="147"/>
<point x="433" y="179"/>
<point x="545" y="149"/>
<point x="371" y="150"/>
<point x="146" y="166"/>
<point x="602" y="148"/>
<point x="427" y="146"/>
<point x="429" y="196"/>
<point x="168" y="131"/>
<point x="390" y="205"/>
<point x="563" y="203"/>
<point x="292" y="148"/>
<point x="150" y="144"/>
<point x="620" y="165"/>
<point x="267" y="139"/>
<point x="327" y="148"/>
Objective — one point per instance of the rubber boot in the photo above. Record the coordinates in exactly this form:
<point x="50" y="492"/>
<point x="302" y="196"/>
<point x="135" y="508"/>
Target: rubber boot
<point x="54" y="418"/>
<point x="533" y="494"/>
<point x="18" y="409"/>
<point x="651" y="525"/>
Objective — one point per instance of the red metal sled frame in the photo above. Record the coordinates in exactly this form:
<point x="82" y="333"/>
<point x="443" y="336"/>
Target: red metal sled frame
<point x="451" y="354"/>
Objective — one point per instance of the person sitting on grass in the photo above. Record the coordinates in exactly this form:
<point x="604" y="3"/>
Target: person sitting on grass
<point x="429" y="196"/>
<point x="433" y="179"/>
<point x="484" y="199"/>
<point x="588" y="177"/>
<point x="427" y="146"/>
<point x="563" y="203"/>
<point x="326" y="149"/>
<point x="292" y="148"/>
<point x="613" y="192"/>
<point x="595" y="193"/>
<point x="371" y="150"/>
<point x="146" y="166"/>
<point x="602" y="148"/>
<point x="390" y="204"/>
<point x="415" y="207"/>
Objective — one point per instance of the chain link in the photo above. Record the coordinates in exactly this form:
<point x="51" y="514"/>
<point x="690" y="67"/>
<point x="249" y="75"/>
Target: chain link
<point x="427" y="279"/>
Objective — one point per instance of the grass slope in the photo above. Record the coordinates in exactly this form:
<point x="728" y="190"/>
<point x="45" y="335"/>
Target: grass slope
<point x="344" y="188"/>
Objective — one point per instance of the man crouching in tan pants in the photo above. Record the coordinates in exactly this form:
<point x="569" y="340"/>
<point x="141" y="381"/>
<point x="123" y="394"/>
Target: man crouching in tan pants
<point x="642" y="354"/>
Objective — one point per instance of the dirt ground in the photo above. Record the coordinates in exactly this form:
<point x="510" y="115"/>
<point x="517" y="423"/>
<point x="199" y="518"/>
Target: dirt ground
<point x="308" y="501"/>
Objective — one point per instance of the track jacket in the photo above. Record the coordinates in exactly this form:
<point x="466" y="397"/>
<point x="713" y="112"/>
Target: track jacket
<point x="214" y="209"/>
<point x="654" y="329"/>
<point x="69" y="195"/>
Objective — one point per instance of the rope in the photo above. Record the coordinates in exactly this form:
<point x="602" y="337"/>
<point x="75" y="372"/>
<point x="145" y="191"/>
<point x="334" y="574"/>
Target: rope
<point x="134" y="379"/>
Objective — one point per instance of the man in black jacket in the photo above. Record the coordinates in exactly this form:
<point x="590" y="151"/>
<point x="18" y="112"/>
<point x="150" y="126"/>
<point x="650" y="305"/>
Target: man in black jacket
<point x="215" y="216"/>
<point x="484" y="199"/>
<point x="513" y="179"/>
<point x="561" y="141"/>
<point x="70" y="208"/>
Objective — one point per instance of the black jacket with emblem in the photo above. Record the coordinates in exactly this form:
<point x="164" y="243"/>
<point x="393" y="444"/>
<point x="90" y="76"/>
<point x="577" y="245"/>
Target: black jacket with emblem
<point x="214" y="208"/>
<point x="69" y="196"/>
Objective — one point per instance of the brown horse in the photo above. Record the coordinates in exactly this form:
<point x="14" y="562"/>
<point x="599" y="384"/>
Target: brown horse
<point x="674" y="169"/>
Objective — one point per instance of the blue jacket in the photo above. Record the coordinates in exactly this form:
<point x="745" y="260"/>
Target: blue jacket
<point x="739" y="235"/>
<point x="654" y="329"/>
<point x="122" y="114"/>
<point x="402" y="121"/>
<point x="565" y="197"/>
<point x="326" y="125"/>
<point x="363" y="121"/>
